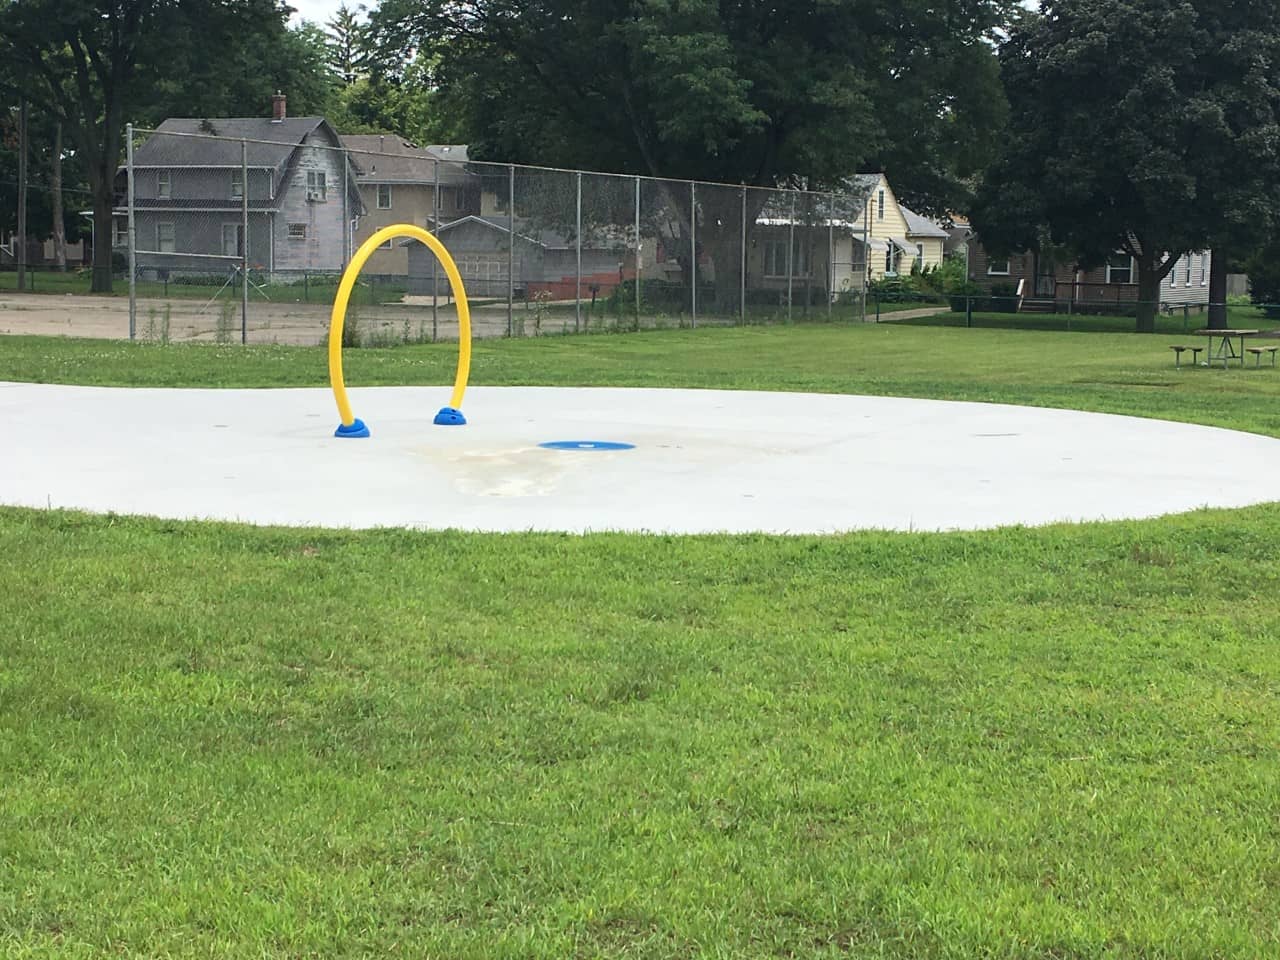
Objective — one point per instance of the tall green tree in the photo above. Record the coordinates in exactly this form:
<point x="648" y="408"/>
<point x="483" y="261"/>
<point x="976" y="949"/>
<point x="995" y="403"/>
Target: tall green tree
<point x="1150" y="127"/>
<point x="93" y="66"/>
<point x="407" y="102"/>
<point x="346" y="42"/>
<point x="738" y="91"/>
<point x="732" y="90"/>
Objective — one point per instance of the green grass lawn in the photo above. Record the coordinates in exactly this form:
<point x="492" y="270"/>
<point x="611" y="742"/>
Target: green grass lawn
<point x="223" y="741"/>
<point x="1175" y="322"/>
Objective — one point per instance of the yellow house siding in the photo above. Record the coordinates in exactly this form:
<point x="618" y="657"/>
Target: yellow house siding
<point x="933" y="250"/>
<point x="891" y="224"/>
<point x="410" y="203"/>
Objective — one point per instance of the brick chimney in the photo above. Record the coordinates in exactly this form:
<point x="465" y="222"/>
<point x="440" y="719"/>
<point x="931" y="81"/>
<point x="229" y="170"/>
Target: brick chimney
<point x="277" y="107"/>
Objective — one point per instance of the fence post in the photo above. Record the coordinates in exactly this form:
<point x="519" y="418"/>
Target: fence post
<point x="639" y="252"/>
<point x="131" y="233"/>
<point x="577" y="250"/>
<point x="511" y="248"/>
<point x="346" y="208"/>
<point x="22" y="196"/>
<point x="244" y="236"/>
<point x="435" y="265"/>
<point x="693" y="254"/>
<point x="865" y="282"/>
<point x="791" y="250"/>
<point x="831" y="260"/>
<point x="742" y="265"/>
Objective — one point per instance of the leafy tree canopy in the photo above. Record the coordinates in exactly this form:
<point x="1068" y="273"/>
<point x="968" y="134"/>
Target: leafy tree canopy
<point x="1145" y="126"/>
<point x="93" y="66"/>
<point x="745" y="91"/>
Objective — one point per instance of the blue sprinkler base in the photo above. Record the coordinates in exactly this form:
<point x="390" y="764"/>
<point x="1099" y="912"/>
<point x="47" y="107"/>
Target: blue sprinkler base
<point x="355" y="428"/>
<point x="450" y="417"/>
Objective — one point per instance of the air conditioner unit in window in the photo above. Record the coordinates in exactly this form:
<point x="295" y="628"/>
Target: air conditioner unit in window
<point x="315" y="195"/>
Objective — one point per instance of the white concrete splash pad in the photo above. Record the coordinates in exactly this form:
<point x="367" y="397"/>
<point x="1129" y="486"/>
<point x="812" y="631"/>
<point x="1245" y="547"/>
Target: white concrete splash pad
<point x="704" y="460"/>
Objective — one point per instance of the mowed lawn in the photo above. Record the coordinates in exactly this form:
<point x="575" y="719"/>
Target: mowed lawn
<point x="1064" y="742"/>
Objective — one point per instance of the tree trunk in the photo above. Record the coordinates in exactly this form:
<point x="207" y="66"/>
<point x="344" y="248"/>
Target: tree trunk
<point x="726" y="255"/>
<point x="103" y="229"/>
<point x="1218" y="290"/>
<point x="720" y="234"/>
<point x="1149" y="277"/>
<point x="105" y="158"/>
<point x="55" y="186"/>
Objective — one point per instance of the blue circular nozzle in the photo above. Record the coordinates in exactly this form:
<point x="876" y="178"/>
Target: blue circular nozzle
<point x="355" y="428"/>
<point x="450" y="417"/>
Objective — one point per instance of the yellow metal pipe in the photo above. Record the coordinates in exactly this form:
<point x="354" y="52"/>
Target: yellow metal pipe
<point x="347" y="284"/>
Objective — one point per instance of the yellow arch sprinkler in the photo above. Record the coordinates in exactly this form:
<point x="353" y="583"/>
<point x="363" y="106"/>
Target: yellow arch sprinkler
<point x="351" y="426"/>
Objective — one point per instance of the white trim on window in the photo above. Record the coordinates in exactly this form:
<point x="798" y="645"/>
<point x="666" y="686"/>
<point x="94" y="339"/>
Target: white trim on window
<point x="880" y="206"/>
<point x="237" y="184"/>
<point x="165" y="234"/>
<point x="164" y="184"/>
<point x="297" y="231"/>
<point x="381" y="204"/>
<point x="993" y="264"/>
<point x="1129" y="271"/>
<point x="317" y="186"/>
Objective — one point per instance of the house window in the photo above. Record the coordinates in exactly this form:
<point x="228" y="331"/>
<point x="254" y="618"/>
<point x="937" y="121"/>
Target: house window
<point x="1204" y="259"/>
<point x="390" y="244"/>
<point x="880" y="206"/>
<point x="164" y="185"/>
<point x="998" y="268"/>
<point x="384" y="196"/>
<point x="316" y="185"/>
<point x="121" y="238"/>
<point x="888" y="261"/>
<point x="297" y="231"/>
<point x="164" y="237"/>
<point x="775" y="260"/>
<point x="1120" y="269"/>
<point x="232" y="240"/>
<point x="237" y="184"/>
<point x="1188" y="281"/>
<point x="920" y="255"/>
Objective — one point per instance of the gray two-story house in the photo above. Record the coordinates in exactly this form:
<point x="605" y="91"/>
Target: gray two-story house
<point x="190" y="187"/>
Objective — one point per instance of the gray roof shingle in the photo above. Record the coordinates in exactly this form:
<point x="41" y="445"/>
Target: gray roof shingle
<point x="918" y="226"/>
<point x="387" y="158"/>
<point x="215" y="142"/>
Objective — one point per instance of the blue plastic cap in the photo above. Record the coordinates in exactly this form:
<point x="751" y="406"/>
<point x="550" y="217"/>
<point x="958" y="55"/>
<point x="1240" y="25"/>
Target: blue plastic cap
<point x="355" y="428"/>
<point x="587" y="445"/>
<point x="450" y="417"/>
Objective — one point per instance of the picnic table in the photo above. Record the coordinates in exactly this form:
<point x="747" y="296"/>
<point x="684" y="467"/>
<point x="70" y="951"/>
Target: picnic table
<point x="1226" y="349"/>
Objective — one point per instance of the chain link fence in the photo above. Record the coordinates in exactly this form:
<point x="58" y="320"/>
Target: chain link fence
<point x="238" y="238"/>
<point x="44" y="254"/>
